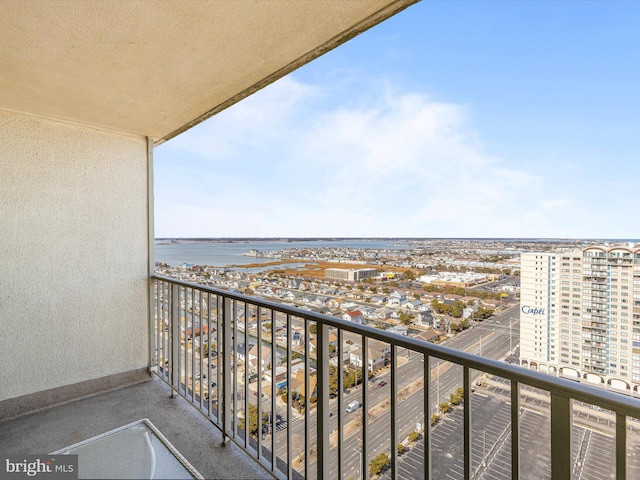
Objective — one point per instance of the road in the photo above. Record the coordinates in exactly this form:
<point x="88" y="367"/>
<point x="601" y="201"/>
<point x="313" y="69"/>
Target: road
<point x="493" y="340"/>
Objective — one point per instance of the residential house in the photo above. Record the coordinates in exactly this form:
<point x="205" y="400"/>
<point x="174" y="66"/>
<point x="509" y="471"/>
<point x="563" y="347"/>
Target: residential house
<point x="375" y="359"/>
<point x="399" y="329"/>
<point x="428" y="335"/>
<point x="397" y="298"/>
<point x="265" y="361"/>
<point x="354" y="316"/>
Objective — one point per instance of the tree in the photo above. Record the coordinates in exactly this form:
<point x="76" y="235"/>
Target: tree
<point x="406" y="318"/>
<point x="482" y="313"/>
<point x="401" y="449"/>
<point x="457" y="309"/>
<point x="409" y="275"/>
<point x="379" y="464"/>
<point x="445" y="407"/>
<point x="313" y="328"/>
<point x="413" y="436"/>
<point x="435" y="418"/>
<point x="333" y="380"/>
<point x="253" y="420"/>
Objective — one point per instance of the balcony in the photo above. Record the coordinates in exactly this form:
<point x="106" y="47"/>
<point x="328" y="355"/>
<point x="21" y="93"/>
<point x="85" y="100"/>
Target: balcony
<point x="203" y="383"/>
<point x="317" y="436"/>
<point x="189" y="432"/>
<point x="84" y="321"/>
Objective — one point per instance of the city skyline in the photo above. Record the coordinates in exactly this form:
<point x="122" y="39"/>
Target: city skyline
<point x="449" y="120"/>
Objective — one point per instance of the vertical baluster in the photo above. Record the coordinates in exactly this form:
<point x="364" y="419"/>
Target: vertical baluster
<point x="289" y="434"/>
<point x="467" y="422"/>
<point x="307" y="429"/>
<point x="561" y="419"/>
<point x="621" y="446"/>
<point x="246" y="376"/>
<point x="186" y="347"/>
<point x="175" y="339"/>
<point x="166" y="288"/>
<point x="515" y="430"/>
<point x="365" y="404"/>
<point x="203" y="383"/>
<point x="274" y="362"/>
<point x="322" y="362"/>
<point x="224" y="403"/>
<point x="193" y="345"/>
<point x="427" y="417"/>
<point x="259" y="391"/>
<point x="234" y="367"/>
<point x="394" y="412"/>
<point x="209" y="387"/>
<point x="155" y="288"/>
<point x="219" y="362"/>
<point x="339" y="413"/>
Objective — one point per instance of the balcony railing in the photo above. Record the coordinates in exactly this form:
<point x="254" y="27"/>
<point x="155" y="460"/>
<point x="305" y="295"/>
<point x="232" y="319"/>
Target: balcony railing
<point x="225" y="383"/>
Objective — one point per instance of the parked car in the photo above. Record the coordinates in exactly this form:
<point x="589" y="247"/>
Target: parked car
<point x="382" y="383"/>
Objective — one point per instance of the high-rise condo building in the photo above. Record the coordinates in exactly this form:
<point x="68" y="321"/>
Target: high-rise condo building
<point x="580" y="315"/>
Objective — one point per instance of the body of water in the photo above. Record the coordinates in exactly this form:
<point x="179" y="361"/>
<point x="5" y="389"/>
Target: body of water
<point x="223" y="254"/>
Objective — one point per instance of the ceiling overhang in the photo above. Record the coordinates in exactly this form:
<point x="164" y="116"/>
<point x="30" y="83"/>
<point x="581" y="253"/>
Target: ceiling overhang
<point x="157" y="67"/>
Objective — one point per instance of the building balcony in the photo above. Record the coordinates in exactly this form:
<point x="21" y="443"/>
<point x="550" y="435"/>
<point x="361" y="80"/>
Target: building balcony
<point x="324" y="435"/>
<point x="196" y="439"/>
<point x="91" y="341"/>
<point x="204" y="386"/>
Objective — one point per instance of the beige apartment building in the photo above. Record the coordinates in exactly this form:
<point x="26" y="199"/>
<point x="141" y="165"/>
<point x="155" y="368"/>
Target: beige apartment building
<point x="350" y="274"/>
<point x="580" y="315"/>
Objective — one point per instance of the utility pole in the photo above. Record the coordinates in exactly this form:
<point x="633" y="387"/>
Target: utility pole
<point x="510" y="322"/>
<point x="359" y="451"/>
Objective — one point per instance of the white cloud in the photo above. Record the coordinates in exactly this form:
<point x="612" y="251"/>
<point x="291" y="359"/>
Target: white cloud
<point x="291" y="161"/>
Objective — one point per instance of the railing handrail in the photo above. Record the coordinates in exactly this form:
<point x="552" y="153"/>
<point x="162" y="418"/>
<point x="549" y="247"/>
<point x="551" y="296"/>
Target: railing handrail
<point x="617" y="402"/>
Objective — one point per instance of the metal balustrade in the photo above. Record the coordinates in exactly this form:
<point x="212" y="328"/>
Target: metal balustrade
<point x="188" y="316"/>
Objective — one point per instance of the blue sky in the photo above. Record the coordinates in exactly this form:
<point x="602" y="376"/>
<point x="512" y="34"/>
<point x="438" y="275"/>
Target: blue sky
<point x="452" y="119"/>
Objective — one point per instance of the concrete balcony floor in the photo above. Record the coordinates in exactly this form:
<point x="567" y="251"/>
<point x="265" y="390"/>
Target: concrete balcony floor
<point x="190" y="432"/>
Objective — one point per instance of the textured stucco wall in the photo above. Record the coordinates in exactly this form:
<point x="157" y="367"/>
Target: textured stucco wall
<point x="73" y="254"/>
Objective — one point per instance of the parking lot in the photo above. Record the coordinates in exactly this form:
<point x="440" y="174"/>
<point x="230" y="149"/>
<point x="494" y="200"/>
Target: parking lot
<point x="592" y="440"/>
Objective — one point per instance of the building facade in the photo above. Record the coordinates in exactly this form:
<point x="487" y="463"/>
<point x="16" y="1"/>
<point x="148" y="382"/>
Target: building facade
<point x="350" y="274"/>
<point x="580" y="315"/>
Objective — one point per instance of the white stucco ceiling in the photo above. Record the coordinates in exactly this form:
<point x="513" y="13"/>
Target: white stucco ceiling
<point x="157" y="67"/>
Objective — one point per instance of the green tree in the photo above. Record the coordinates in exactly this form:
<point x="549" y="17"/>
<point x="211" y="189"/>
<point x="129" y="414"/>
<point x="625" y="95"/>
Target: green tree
<point x="435" y="418"/>
<point x="445" y="407"/>
<point x="379" y="464"/>
<point x="253" y="420"/>
<point x="457" y="309"/>
<point x="413" y="436"/>
<point x="406" y="318"/>
<point x="401" y="449"/>
<point x="409" y="275"/>
<point x="313" y="328"/>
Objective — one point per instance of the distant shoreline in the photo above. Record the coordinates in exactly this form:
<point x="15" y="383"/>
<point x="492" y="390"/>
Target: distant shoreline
<point x="169" y="240"/>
